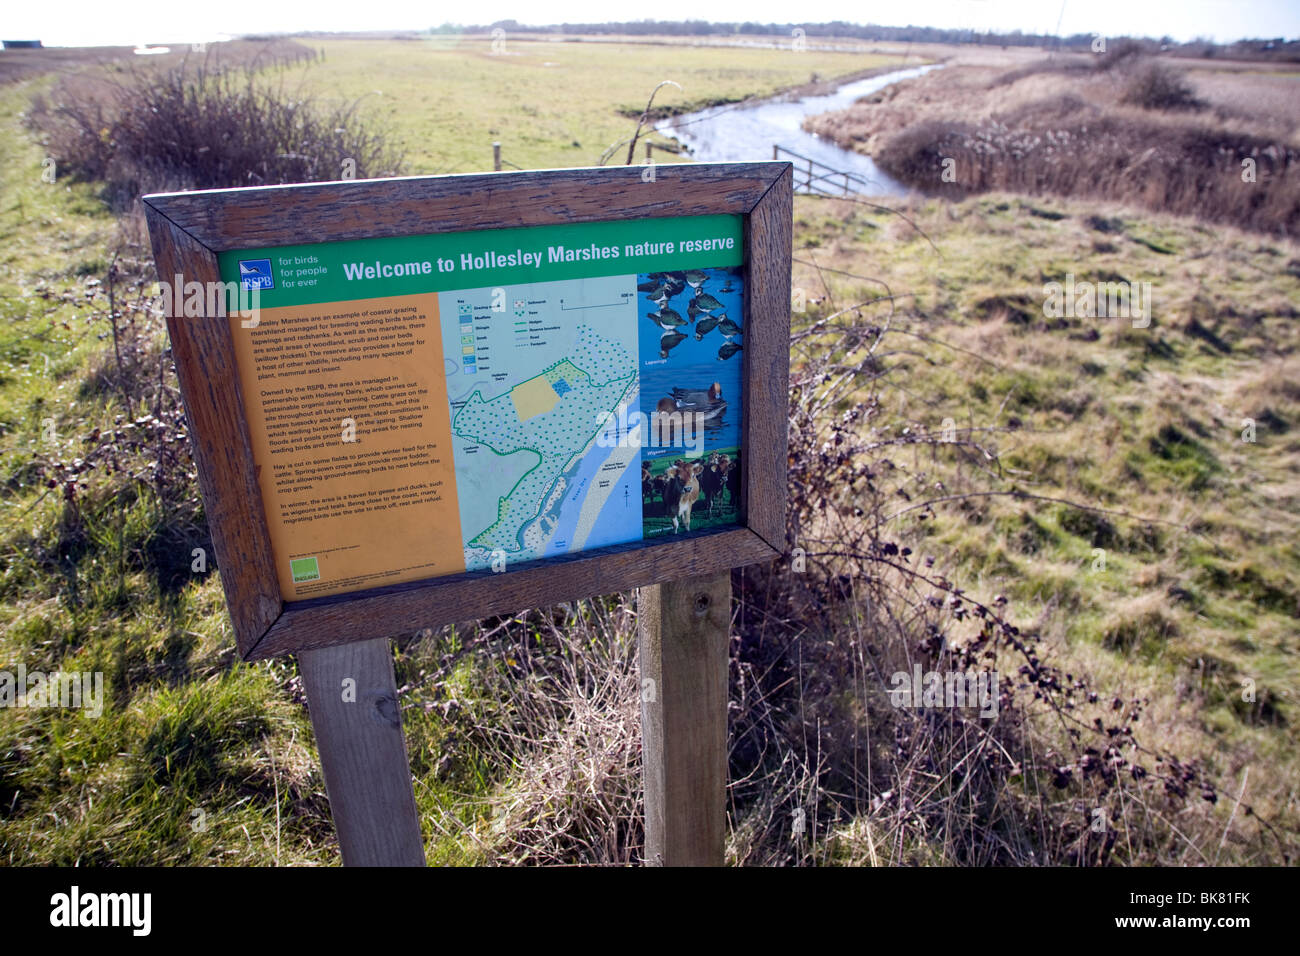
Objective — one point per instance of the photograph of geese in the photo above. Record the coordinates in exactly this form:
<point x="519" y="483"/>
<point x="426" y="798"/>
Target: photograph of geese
<point x="692" y="317"/>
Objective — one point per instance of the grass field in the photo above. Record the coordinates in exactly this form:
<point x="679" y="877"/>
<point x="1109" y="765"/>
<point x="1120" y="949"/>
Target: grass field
<point x="200" y="759"/>
<point x="549" y="104"/>
<point x="82" y="592"/>
<point x="1188" y="425"/>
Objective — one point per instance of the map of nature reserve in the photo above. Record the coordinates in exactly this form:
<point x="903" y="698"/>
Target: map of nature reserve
<point x="527" y="411"/>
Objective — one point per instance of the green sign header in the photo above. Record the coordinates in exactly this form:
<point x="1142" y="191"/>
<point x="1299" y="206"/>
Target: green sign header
<point x="407" y="265"/>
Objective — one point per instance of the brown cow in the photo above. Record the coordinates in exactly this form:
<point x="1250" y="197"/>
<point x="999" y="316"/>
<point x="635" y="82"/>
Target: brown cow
<point x="689" y="495"/>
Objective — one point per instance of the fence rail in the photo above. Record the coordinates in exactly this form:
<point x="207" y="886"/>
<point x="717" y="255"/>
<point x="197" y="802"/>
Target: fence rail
<point x="811" y="176"/>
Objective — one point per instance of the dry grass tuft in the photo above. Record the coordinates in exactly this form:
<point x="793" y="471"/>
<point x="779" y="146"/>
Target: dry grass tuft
<point x="1123" y="129"/>
<point x="203" y="125"/>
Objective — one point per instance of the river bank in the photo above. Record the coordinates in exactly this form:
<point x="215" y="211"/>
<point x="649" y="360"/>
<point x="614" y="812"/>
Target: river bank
<point x="755" y="131"/>
<point x="1122" y="127"/>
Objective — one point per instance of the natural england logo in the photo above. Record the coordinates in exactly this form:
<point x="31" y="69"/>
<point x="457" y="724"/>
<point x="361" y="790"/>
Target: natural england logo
<point x="80" y="691"/>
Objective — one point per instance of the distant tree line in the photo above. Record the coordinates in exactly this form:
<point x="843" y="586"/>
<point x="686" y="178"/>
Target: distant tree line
<point x="1276" y="48"/>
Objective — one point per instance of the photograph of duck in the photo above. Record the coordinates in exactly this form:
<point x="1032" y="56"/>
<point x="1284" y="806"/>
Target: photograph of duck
<point x="692" y="325"/>
<point x="705" y="401"/>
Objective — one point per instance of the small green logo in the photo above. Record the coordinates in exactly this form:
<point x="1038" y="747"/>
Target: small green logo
<point x="304" y="569"/>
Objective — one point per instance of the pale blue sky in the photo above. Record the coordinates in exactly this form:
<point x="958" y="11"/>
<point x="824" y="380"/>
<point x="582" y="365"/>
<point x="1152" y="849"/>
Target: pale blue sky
<point x="94" y="22"/>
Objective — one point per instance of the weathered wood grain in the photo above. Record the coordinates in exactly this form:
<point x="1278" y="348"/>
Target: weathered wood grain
<point x="363" y="753"/>
<point x="682" y="629"/>
<point x="766" y="420"/>
<point x="232" y="501"/>
<point x="426" y="205"/>
<point x="408" y="608"/>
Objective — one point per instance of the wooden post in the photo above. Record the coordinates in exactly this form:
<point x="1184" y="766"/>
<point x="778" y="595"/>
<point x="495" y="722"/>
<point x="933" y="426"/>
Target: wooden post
<point x="359" y="735"/>
<point x="682" y="629"/>
<point x="496" y="157"/>
<point x="649" y="148"/>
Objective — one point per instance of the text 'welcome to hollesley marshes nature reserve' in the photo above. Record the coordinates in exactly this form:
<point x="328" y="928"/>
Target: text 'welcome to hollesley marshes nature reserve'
<point x="494" y="259"/>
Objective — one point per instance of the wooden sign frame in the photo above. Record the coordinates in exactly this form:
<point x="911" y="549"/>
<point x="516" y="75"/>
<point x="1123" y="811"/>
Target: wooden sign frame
<point x="189" y="230"/>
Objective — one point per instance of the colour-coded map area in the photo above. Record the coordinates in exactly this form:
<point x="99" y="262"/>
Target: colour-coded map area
<point x="553" y="416"/>
<point x="547" y="373"/>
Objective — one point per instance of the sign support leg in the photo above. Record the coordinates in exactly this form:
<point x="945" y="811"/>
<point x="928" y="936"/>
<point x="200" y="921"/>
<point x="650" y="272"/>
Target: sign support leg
<point x="352" y="696"/>
<point x="682" y="630"/>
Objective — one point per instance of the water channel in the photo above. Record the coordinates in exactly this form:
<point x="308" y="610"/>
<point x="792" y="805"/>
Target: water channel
<point x="733" y="133"/>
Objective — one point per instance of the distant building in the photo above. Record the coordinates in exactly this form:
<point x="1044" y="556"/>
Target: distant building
<point x="21" y="44"/>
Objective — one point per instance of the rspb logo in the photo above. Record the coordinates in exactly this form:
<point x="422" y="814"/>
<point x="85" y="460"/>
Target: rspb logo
<point x="256" y="274"/>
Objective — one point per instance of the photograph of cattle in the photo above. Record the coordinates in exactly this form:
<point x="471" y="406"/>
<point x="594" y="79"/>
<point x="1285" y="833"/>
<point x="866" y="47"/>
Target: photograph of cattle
<point x="679" y="495"/>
